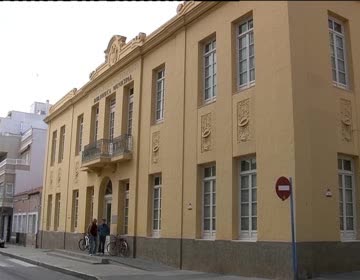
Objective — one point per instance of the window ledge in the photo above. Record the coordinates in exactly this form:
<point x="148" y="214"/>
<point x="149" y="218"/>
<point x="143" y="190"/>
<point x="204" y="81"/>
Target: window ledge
<point x="346" y="89"/>
<point x="158" y="122"/>
<point x="244" y="240"/>
<point x="244" y="88"/>
<point x="205" y="239"/>
<point x="349" y="240"/>
<point x="204" y="104"/>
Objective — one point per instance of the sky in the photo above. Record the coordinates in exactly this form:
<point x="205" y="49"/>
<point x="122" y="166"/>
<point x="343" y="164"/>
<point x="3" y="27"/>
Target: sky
<point x="49" y="48"/>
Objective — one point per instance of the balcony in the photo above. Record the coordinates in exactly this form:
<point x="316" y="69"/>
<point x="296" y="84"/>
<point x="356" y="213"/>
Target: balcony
<point x="104" y="152"/>
<point x="9" y="165"/>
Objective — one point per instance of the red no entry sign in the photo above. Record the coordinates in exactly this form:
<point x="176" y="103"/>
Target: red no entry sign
<point x="283" y="188"/>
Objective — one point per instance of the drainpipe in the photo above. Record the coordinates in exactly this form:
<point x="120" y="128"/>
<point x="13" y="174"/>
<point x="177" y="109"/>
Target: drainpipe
<point x="137" y="155"/>
<point x="67" y="193"/>
<point x="43" y="196"/>
<point x="183" y="159"/>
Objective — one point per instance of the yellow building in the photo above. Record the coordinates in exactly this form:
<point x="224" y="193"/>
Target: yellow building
<point x="179" y="137"/>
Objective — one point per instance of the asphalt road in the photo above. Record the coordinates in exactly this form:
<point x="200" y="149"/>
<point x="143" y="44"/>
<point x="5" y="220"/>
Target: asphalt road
<point x="13" y="269"/>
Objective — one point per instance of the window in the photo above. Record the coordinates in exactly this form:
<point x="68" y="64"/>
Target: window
<point x="112" y="118"/>
<point x="346" y="198"/>
<point x="49" y="210"/>
<point x="53" y="148"/>
<point x="32" y="223"/>
<point x="210" y="71"/>
<point x="62" y="143"/>
<point x="245" y="53"/>
<point x="159" y="95"/>
<point x="9" y="190"/>
<point x="95" y="123"/>
<point x="80" y="124"/>
<point x="57" y="212"/>
<point x="338" y="52"/>
<point x="157" y="206"/>
<point x="130" y="111"/>
<point x="209" y="202"/>
<point x="126" y="208"/>
<point x="75" y="209"/>
<point x="248" y="199"/>
<point x="26" y="157"/>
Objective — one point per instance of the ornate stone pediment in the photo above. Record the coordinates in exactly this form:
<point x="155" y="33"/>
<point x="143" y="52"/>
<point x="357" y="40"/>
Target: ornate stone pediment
<point x="112" y="52"/>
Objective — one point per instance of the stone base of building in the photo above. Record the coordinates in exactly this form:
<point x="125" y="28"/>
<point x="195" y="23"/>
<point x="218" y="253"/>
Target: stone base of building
<point x="252" y="259"/>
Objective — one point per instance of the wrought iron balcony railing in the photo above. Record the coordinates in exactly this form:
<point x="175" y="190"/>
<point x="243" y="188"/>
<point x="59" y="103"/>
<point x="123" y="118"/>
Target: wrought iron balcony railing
<point x="106" y="148"/>
<point x="122" y="145"/>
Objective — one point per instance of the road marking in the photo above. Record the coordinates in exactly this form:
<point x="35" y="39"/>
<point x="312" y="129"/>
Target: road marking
<point x="22" y="263"/>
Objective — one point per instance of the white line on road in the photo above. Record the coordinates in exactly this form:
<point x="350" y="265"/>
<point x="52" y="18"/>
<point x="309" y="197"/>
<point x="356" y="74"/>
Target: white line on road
<point x="22" y="263"/>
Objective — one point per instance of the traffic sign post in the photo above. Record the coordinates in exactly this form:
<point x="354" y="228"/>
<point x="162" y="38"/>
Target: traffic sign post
<point x="284" y="189"/>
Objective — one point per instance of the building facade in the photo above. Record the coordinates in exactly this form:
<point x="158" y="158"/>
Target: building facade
<point x="22" y="152"/>
<point x="179" y="137"/>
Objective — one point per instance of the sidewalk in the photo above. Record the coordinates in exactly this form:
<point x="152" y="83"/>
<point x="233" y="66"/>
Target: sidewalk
<point x="123" y="268"/>
<point x="92" y="268"/>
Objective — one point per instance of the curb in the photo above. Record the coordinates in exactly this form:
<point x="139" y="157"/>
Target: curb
<point x="52" y="267"/>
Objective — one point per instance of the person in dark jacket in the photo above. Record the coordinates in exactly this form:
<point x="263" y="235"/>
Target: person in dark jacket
<point x="92" y="231"/>
<point x="103" y="230"/>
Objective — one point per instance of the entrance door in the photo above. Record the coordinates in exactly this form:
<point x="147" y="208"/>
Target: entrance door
<point x="6" y="227"/>
<point x="107" y="210"/>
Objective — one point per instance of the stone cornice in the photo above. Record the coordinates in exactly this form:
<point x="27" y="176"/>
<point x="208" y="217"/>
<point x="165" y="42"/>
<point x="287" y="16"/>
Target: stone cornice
<point x="119" y="54"/>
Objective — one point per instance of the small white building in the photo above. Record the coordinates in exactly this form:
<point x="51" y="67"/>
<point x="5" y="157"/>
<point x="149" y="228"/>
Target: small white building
<point x="22" y="151"/>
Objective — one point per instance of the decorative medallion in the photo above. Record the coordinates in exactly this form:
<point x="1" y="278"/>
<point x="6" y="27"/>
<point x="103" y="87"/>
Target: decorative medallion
<point x="206" y="133"/>
<point x="155" y="146"/>
<point x="346" y="120"/>
<point x="243" y="120"/>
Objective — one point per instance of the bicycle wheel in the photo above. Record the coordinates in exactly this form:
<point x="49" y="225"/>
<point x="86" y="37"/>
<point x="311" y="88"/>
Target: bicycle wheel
<point x="124" y="248"/>
<point x="82" y="244"/>
<point x="112" y="249"/>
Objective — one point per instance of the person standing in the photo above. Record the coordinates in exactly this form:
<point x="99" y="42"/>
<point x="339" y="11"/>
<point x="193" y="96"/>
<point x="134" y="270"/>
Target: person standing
<point x="92" y="231"/>
<point x="103" y="230"/>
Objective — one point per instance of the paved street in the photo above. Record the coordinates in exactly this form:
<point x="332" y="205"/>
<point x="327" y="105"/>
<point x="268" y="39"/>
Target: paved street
<point x="13" y="269"/>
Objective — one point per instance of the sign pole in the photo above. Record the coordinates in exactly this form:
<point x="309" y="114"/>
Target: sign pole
<point x="294" y="255"/>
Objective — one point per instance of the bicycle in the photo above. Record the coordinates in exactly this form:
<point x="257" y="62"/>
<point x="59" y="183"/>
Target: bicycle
<point x="118" y="245"/>
<point x="84" y="243"/>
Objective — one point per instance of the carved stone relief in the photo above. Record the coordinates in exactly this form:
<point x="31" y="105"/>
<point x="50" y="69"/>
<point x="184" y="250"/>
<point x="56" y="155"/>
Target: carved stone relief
<point x="51" y="183"/>
<point x="112" y="53"/>
<point x="76" y="174"/>
<point x="184" y="7"/>
<point x="243" y="120"/>
<point x="155" y="146"/>
<point x="346" y="120"/>
<point x="206" y="133"/>
<point x="138" y="40"/>
<point x="58" y="179"/>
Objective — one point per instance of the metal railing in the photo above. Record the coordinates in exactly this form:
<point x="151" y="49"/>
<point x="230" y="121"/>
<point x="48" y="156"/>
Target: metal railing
<point x="122" y="145"/>
<point x="107" y="148"/>
<point x="13" y="161"/>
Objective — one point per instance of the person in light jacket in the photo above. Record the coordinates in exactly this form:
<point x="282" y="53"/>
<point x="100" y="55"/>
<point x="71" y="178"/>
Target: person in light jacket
<point x="92" y="231"/>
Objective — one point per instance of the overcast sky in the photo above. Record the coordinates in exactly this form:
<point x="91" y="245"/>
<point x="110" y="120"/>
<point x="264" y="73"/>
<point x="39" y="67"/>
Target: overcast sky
<point x="47" y="49"/>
